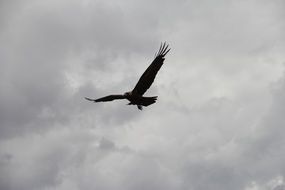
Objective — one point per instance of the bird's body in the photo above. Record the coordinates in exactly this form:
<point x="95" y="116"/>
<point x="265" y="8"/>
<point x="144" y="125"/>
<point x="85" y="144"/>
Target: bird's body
<point x="139" y="100"/>
<point x="136" y="95"/>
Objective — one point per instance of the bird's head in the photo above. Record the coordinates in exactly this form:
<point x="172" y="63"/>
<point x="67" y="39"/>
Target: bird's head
<point x="128" y="94"/>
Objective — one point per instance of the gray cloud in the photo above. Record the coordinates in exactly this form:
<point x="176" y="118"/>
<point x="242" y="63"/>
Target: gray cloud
<point x="218" y="122"/>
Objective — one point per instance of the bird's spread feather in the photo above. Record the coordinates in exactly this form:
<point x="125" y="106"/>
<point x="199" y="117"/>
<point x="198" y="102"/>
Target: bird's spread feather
<point x="148" y="76"/>
<point x="107" y="98"/>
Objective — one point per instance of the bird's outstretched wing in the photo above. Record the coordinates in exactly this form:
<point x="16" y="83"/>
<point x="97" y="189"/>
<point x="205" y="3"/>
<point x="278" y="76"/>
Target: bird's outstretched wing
<point x="148" y="76"/>
<point x="107" y="98"/>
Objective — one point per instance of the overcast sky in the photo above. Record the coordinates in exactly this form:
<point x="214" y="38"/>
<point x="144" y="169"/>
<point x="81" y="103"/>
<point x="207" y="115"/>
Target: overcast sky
<point x="219" y="120"/>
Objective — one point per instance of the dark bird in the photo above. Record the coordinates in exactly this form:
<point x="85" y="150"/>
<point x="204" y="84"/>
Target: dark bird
<point x="136" y="95"/>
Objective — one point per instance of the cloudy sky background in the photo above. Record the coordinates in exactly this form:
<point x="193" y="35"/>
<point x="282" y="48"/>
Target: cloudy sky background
<point x="219" y="121"/>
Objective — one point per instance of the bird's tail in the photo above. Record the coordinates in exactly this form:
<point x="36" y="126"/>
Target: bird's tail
<point x="146" y="101"/>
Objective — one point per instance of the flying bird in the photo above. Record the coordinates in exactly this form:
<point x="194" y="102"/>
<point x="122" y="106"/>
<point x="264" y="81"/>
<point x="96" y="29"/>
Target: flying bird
<point x="136" y="95"/>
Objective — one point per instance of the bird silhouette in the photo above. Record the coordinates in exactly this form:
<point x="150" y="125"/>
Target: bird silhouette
<point x="135" y="96"/>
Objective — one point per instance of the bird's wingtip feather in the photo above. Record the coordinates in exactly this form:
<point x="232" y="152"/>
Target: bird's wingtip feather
<point x="89" y="99"/>
<point x="163" y="49"/>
